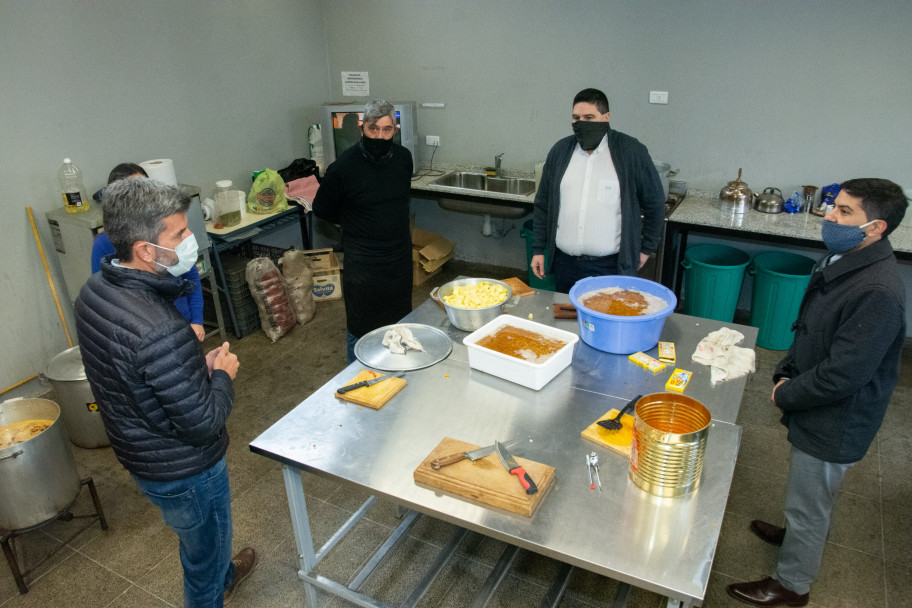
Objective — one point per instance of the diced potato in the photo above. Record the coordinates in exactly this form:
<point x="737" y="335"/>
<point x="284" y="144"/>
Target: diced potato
<point x="479" y="295"/>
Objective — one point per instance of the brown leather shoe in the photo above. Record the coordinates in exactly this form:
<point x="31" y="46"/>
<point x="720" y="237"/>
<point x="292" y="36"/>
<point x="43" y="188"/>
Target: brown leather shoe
<point x="244" y="563"/>
<point x="768" y="532"/>
<point x="767" y="592"/>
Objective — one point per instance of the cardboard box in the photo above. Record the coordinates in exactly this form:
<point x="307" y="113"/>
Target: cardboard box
<point x="429" y="252"/>
<point x="327" y="275"/>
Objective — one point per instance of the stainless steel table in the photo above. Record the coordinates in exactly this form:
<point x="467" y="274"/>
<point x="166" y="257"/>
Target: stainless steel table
<point x="665" y="545"/>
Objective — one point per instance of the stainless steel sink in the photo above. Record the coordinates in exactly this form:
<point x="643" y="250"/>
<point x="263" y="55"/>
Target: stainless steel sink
<point x="468" y="183"/>
<point x="467" y="180"/>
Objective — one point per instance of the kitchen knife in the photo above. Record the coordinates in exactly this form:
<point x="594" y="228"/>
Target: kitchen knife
<point x="473" y="455"/>
<point x="515" y="469"/>
<point x="363" y="383"/>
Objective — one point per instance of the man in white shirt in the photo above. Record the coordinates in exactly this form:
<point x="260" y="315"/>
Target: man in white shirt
<point x="600" y="204"/>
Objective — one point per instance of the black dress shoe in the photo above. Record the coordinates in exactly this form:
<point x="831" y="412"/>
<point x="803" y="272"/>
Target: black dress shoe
<point x="768" y="532"/>
<point x="767" y="592"/>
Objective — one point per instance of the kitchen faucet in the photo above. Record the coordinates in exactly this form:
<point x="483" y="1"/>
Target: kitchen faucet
<point x="497" y="170"/>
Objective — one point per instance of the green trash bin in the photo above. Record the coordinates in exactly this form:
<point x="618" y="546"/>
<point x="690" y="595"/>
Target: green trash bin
<point x="547" y="283"/>
<point x="780" y="279"/>
<point x="712" y="281"/>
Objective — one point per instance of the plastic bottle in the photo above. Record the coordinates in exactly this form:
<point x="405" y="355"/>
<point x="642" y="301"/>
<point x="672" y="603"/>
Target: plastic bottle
<point x="72" y="190"/>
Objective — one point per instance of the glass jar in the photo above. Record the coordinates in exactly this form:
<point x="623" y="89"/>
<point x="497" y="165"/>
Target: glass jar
<point x="227" y="204"/>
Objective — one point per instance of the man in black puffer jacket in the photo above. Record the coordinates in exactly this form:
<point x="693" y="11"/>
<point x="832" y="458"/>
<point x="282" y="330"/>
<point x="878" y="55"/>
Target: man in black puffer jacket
<point x="164" y="404"/>
<point x="834" y="385"/>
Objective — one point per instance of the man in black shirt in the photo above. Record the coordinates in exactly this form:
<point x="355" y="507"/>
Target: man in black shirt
<point x="366" y="192"/>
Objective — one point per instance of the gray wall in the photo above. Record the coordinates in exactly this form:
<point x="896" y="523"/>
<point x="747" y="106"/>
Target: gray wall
<point x="807" y="92"/>
<point x="810" y="92"/>
<point x="222" y="88"/>
<point x="794" y="92"/>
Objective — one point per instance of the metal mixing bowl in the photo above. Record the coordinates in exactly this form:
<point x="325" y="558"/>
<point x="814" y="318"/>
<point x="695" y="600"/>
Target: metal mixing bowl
<point x="470" y="319"/>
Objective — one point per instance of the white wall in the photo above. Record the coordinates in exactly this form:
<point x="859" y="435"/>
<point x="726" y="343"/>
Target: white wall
<point x="221" y="87"/>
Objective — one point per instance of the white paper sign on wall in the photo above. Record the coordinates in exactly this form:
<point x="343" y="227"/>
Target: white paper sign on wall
<point x="355" y="84"/>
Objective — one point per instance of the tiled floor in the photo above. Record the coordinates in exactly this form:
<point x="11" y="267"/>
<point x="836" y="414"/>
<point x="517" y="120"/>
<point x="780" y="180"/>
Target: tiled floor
<point x="868" y="561"/>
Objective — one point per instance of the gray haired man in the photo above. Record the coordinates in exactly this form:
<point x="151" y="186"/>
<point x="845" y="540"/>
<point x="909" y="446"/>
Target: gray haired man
<point x="366" y="192"/>
<point x="163" y="402"/>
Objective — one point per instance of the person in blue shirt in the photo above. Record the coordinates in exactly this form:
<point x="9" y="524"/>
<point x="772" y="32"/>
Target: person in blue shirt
<point x="190" y="306"/>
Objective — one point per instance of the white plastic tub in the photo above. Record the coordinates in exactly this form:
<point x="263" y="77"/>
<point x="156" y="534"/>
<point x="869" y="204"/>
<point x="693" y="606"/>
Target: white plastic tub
<point x="526" y="373"/>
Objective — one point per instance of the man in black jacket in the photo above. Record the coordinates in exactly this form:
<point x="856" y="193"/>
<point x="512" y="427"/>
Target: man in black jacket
<point x="596" y="186"/>
<point x="366" y="192"/>
<point x="835" y="383"/>
<point x="163" y="403"/>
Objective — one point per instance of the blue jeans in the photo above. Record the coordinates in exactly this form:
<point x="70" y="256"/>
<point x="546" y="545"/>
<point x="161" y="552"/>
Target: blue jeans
<point x="198" y="509"/>
<point x="568" y="269"/>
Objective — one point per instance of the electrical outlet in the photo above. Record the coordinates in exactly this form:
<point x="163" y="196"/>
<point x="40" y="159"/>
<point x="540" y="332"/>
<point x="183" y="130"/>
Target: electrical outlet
<point x="658" y="97"/>
<point x="432" y="140"/>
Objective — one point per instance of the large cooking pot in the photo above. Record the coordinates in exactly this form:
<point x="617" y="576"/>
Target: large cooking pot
<point x="665" y="171"/>
<point x="77" y="404"/>
<point x="38" y="476"/>
<point x="470" y="319"/>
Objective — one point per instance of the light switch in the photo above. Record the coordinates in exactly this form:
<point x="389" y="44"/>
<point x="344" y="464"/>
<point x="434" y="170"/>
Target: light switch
<point x="658" y="97"/>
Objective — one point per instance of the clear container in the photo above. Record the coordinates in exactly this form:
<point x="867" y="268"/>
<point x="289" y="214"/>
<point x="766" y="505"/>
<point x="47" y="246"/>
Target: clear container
<point x="72" y="189"/>
<point x="227" y="204"/>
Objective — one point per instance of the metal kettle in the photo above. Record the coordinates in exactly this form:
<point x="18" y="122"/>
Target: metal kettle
<point x="770" y="201"/>
<point x="735" y="197"/>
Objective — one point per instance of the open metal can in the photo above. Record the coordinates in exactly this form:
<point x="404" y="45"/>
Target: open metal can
<point x="669" y="440"/>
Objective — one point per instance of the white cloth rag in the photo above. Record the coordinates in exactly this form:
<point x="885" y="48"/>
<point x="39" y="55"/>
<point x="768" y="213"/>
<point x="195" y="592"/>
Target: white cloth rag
<point x="726" y="360"/>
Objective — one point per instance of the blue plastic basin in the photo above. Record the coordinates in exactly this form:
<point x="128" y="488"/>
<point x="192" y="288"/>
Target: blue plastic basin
<point x="617" y="334"/>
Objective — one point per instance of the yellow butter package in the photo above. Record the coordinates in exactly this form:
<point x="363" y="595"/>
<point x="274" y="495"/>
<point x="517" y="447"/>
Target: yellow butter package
<point x="644" y="360"/>
<point x="678" y="380"/>
<point x="667" y="352"/>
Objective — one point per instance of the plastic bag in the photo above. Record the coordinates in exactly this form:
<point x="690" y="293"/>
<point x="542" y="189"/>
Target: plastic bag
<point x="300" y="167"/>
<point x="267" y="195"/>
<point x="270" y="294"/>
<point x="793" y="204"/>
<point x="298" y="272"/>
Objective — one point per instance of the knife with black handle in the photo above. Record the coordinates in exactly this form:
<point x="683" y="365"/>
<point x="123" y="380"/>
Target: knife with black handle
<point x="363" y="383"/>
<point x="515" y="468"/>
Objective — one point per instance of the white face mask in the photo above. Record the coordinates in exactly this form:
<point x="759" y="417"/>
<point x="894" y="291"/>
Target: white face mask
<point x="187" y="252"/>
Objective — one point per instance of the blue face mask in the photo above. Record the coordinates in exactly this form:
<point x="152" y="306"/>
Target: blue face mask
<point x="840" y="238"/>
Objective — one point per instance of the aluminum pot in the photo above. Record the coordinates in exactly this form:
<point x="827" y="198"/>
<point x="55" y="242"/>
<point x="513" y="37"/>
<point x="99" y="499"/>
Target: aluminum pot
<point x="470" y="319"/>
<point x="38" y="476"/>
<point x="77" y="404"/>
<point x="665" y="171"/>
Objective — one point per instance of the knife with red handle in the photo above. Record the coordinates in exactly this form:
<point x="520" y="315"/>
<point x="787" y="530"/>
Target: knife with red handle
<point x="474" y="455"/>
<point x="515" y="468"/>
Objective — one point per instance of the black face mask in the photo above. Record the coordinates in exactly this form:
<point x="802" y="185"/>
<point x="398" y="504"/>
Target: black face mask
<point x="376" y="148"/>
<point x="589" y="134"/>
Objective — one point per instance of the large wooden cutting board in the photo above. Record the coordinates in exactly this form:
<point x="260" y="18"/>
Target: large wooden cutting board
<point x="618" y="440"/>
<point x="485" y="480"/>
<point x="376" y="395"/>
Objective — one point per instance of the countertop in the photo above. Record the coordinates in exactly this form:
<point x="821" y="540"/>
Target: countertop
<point x="699" y="209"/>
<point x="421" y="182"/>
<point x="377" y="450"/>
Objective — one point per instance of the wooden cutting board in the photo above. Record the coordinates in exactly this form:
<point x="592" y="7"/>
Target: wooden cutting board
<point x="485" y="480"/>
<point x="376" y="395"/>
<point x="519" y="288"/>
<point x="618" y="440"/>
<point x="564" y="311"/>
